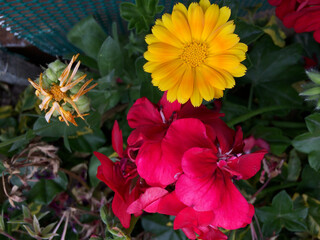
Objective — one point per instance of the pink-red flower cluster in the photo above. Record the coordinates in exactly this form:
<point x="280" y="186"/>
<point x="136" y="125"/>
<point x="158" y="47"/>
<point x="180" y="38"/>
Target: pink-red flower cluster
<point x="302" y="15"/>
<point x="181" y="161"/>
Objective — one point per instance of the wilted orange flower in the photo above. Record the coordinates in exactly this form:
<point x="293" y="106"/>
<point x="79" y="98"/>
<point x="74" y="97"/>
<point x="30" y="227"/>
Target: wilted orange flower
<point x="56" y="96"/>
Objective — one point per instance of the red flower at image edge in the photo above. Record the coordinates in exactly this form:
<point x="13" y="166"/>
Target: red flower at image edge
<point x="302" y="15"/>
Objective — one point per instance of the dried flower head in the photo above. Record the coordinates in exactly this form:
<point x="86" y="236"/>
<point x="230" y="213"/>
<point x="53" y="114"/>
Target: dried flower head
<point x="63" y="96"/>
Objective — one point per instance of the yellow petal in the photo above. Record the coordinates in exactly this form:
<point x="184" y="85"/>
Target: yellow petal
<point x="210" y="20"/>
<point x="162" y="52"/>
<point x="166" y="69"/>
<point x="172" y="79"/>
<point x="150" y="38"/>
<point x="151" y="66"/>
<point x="241" y="55"/>
<point x="220" y="44"/>
<point x="182" y="28"/>
<point x="218" y="93"/>
<point x="196" y="20"/>
<point x="226" y="62"/>
<point x="172" y="93"/>
<point x="228" y="78"/>
<point x="196" y="98"/>
<point x="186" y="86"/>
<point x="164" y="35"/>
<point x="223" y="31"/>
<point x="213" y="77"/>
<point x="182" y="8"/>
<point x="159" y="22"/>
<point x="224" y="16"/>
<point x="205" y="4"/>
<point x="241" y="46"/>
<point x="205" y="89"/>
<point x="239" y="71"/>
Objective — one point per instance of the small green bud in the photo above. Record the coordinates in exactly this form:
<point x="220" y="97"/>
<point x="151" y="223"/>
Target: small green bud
<point x="57" y="66"/>
<point x="50" y="76"/>
<point x="83" y="104"/>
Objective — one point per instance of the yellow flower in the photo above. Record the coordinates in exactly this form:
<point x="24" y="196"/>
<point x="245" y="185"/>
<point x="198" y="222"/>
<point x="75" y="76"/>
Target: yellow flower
<point x="59" y="93"/>
<point x="194" y="54"/>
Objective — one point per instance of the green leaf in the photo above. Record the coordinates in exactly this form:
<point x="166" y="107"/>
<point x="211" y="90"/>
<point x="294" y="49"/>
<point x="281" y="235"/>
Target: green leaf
<point x="294" y="166"/>
<point x="161" y="227"/>
<point x="2" y="168"/>
<point x="89" y="141"/>
<point x="44" y="191"/>
<point x="2" y="225"/>
<point x="307" y="142"/>
<point x="313" y="219"/>
<point x="282" y="214"/>
<point x="110" y="57"/>
<point x="94" y="163"/>
<point x="147" y="89"/>
<point x="314" y="160"/>
<point x="88" y="36"/>
<point x="273" y="72"/>
<point x="248" y="33"/>
<point x="141" y="14"/>
<point x="310" y="183"/>
<point x="274" y="136"/>
<point x="313" y="122"/>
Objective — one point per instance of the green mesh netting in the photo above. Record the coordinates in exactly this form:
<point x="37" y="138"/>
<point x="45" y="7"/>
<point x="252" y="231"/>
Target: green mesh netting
<point x="45" y="23"/>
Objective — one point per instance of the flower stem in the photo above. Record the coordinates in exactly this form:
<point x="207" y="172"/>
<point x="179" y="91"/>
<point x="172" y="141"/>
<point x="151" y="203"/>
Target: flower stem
<point x="133" y="222"/>
<point x="7" y="235"/>
<point x="250" y="97"/>
<point x="251" y="114"/>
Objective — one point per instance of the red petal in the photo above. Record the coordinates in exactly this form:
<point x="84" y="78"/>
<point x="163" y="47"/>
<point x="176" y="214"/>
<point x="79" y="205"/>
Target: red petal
<point x="199" y="162"/>
<point x="120" y="206"/>
<point x="203" y="194"/>
<point x="247" y="165"/>
<point x="142" y="113"/>
<point x="170" y="205"/>
<point x="188" y="217"/>
<point x="108" y="173"/>
<point x="213" y="234"/>
<point x="117" y="142"/>
<point x="202" y="113"/>
<point x="316" y="35"/>
<point x="182" y="135"/>
<point x="234" y="211"/>
<point x="148" y="201"/>
<point x="167" y="107"/>
<point x="154" y="168"/>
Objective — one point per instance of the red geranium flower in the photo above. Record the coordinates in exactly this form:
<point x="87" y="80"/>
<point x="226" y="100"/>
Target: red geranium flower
<point x="150" y="123"/>
<point x="302" y="15"/>
<point x="208" y="169"/>
<point x="120" y="176"/>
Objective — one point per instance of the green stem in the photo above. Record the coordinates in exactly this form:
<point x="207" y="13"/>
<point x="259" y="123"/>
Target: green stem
<point x="276" y="188"/>
<point x="7" y="235"/>
<point x="288" y="124"/>
<point x="250" y="97"/>
<point x="133" y="222"/>
<point x="251" y="114"/>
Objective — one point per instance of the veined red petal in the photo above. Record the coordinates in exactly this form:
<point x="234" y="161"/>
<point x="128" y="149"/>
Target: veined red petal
<point x="148" y="201"/>
<point x="247" y="165"/>
<point x="117" y="141"/>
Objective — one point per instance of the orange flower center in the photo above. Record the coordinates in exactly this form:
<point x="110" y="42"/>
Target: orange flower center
<point x="57" y="94"/>
<point x="194" y="53"/>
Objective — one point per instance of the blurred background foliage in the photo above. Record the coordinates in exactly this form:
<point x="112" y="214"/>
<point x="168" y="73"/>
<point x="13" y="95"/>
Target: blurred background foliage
<point x="49" y="189"/>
